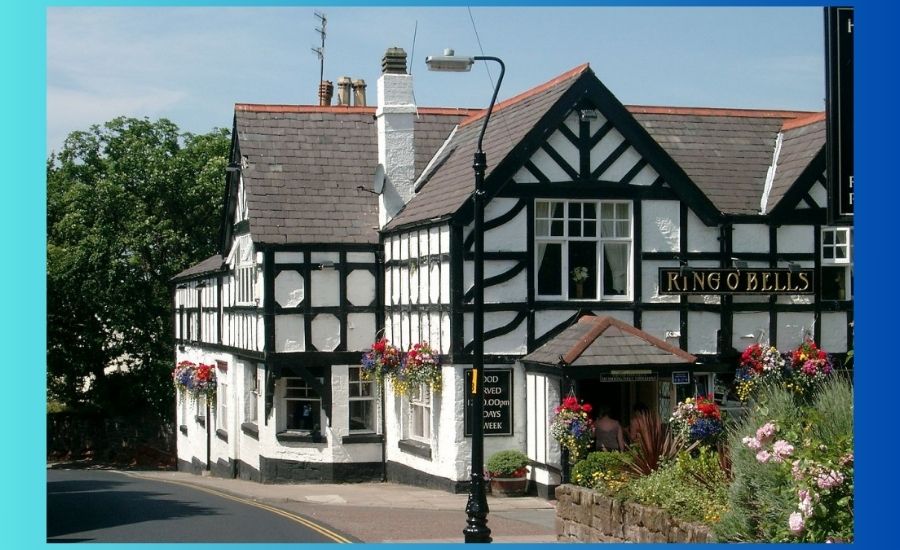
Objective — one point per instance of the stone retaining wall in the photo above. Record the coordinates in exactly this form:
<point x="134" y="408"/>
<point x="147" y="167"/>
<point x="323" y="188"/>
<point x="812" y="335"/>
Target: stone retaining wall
<point x="585" y="516"/>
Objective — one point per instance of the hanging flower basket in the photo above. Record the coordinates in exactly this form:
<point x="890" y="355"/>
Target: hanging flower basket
<point x="573" y="427"/>
<point x="381" y="361"/>
<point x="420" y="365"/>
<point x="698" y="419"/>
<point x="195" y="380"/>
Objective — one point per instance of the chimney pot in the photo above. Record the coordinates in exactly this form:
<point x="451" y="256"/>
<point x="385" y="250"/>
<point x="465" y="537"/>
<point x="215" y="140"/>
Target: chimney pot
<point x="359" y="93"/>
<point x="394" y="61"/>
<point x="326" y="91"/>
<point x="344" y="91"/>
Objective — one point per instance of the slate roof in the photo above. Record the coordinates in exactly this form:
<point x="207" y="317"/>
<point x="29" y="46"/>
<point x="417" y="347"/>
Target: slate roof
<point x="453" y="182"/>
<point x="803" y="139"/>
<point x="606" y="341"/>
<point x="305" y="164"/>
<point x="726" y="152"/>
<point x="212" y="264"/>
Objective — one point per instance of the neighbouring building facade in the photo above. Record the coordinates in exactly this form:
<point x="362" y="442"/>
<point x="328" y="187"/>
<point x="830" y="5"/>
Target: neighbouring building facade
<point x="678" y="236"/>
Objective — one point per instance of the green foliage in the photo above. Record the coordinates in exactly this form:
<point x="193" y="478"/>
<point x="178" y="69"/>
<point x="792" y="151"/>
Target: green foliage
<point x="655" y="444"/>
<point x="691" y="487"/>
<point x="605" y="471"/>
<point x="129" y="204"/>
<point x="509" y="463"/>
<point x="806" y="495"/>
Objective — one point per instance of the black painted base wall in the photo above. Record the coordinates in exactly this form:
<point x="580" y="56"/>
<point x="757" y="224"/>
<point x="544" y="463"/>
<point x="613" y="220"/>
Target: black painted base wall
<point x="247" y="472"/>
<point x="274" y="470"/>
<point x="546" y="492"/>
<point x="224" y="468"/>
<point x="400" y="473"/>
<point x="193" y="467"/>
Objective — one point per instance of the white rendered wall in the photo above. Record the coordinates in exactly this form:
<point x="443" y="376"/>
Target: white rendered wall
<point x="750" y="237"/>
<point x="834" y="332"/>
<point x="650" y="283"/>
<point x="660" y="226"/>
<point x="792" y="327"/>
<point x="702" y="330"/>
<point x="795" y="238"/>
<point x="748" y="328"/>
<point x="701" y="237"/>
<point x="658" y="323"/>
<point x="512" y="236"/>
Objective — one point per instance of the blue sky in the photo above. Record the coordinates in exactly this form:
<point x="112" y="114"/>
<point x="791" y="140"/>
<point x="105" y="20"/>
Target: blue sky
<point x="192" y="64"/>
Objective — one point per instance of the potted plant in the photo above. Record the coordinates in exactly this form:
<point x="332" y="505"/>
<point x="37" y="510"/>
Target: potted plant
<point x="579" y="275"/>
<point x="508" y="470"/>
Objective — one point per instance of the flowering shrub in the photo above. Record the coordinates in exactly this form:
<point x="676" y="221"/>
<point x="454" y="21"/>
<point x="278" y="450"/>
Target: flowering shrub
<point x="793" y="467"/>
<point x="604" y="471"/>
<point x="573" y="427"/>
<point x="195" y="379"/>
<point x="697" y="419"/>
<point x="381" y="361"/>
<point x="419" y="365"/>
<point x="507" y="464"/>
<point x="758" y="365"/>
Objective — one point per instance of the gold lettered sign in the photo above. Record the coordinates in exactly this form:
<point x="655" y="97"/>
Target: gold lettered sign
<point x="767" y="281"/>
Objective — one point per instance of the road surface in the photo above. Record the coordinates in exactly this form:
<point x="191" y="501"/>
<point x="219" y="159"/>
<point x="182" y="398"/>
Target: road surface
<point x="105" y="506"/>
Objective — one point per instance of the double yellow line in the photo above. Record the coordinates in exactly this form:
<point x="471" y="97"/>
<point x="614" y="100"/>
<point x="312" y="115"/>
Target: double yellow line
<point x="324" y="531"/>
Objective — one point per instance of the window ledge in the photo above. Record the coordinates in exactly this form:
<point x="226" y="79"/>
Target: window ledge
<point x="222" y="434"/>
<point x="183" y="429"/>
<point x="362" y="438"/>
<point x="416" y="448"/>
<point x="304" y="437"/>
<point x="200" y="420"/>
<point x="251" y="429"/>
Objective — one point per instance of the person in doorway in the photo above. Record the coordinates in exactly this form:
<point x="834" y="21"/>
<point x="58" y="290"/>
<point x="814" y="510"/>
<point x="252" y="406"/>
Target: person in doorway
<point x="634" y="427"/>
<point x="608" y="432"/>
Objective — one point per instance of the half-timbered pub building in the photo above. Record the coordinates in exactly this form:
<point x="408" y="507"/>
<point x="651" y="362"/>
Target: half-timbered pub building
<point x="694" y="232"/>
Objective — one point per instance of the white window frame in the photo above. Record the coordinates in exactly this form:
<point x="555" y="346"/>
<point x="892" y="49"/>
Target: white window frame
<point x="183" y="406"/>
<point x="301" y="384"/>
<point x="598" y="238"/>
<point x="251" y="394"/>
<point x="371" y="398"/>
<point x="418" y="406"/>
<point x="245" y="285"/>
<point x="847" y="246"/>
<point x="222" y="405"/>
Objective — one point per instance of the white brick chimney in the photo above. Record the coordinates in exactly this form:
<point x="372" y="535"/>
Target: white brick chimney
<point x="395" y="117"/>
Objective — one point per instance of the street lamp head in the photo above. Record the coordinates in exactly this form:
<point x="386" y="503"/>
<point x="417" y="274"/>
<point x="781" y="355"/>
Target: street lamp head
<point x="449" y="62"/>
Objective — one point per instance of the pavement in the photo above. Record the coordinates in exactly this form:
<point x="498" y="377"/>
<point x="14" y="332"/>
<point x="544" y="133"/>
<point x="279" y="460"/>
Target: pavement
<point x="386" y="512"/>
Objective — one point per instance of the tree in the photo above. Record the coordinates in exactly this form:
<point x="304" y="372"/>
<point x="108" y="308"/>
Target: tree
<point x="129" y="204"/>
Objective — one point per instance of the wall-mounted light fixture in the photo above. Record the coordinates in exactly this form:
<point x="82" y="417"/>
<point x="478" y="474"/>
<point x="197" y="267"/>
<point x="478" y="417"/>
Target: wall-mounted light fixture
<point x="326" y="265"/>
<point x="233" y="167"/>
<point x="738" y="263"/>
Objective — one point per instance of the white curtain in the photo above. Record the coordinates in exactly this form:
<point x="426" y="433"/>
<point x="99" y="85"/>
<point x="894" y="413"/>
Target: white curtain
<point x="616" y="257"/>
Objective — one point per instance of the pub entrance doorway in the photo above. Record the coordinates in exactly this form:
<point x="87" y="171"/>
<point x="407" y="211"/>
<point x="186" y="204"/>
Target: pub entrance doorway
<point x="619" y="396"/>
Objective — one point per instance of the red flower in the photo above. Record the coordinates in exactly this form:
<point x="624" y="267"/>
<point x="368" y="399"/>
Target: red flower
<point x="587" y="407"/>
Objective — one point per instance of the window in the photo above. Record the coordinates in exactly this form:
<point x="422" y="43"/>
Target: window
<point x="222" y="406"/>
<point x="362" y="402"/>
<point x="303" y="406"/>
<point x="245" y="284"/>
<point x="837" y="263"/>
<point x="583" y="249"/>
<point x="182" y="406"/>
<point x="200" y="409"/>
<point x="420" y="414"/>
<point x="251" y="394"/>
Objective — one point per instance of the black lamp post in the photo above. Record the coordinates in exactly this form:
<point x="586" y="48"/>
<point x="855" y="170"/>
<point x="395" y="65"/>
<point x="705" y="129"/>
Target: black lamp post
<point x="476" y="507"/>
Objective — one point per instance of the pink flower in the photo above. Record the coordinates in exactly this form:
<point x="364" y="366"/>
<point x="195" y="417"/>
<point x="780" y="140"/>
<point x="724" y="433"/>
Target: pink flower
<point x="805" y="503"/>
<point x="752" y="443"/>
<point x="795" y="522"/>
<point x="765" y="433"/>
<point x="827" y="480"/>
<point x="796" y="472"/>
<point x="782" y="449"/>
<point x="763" y="456"/>
<point x="846" y="459"/>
